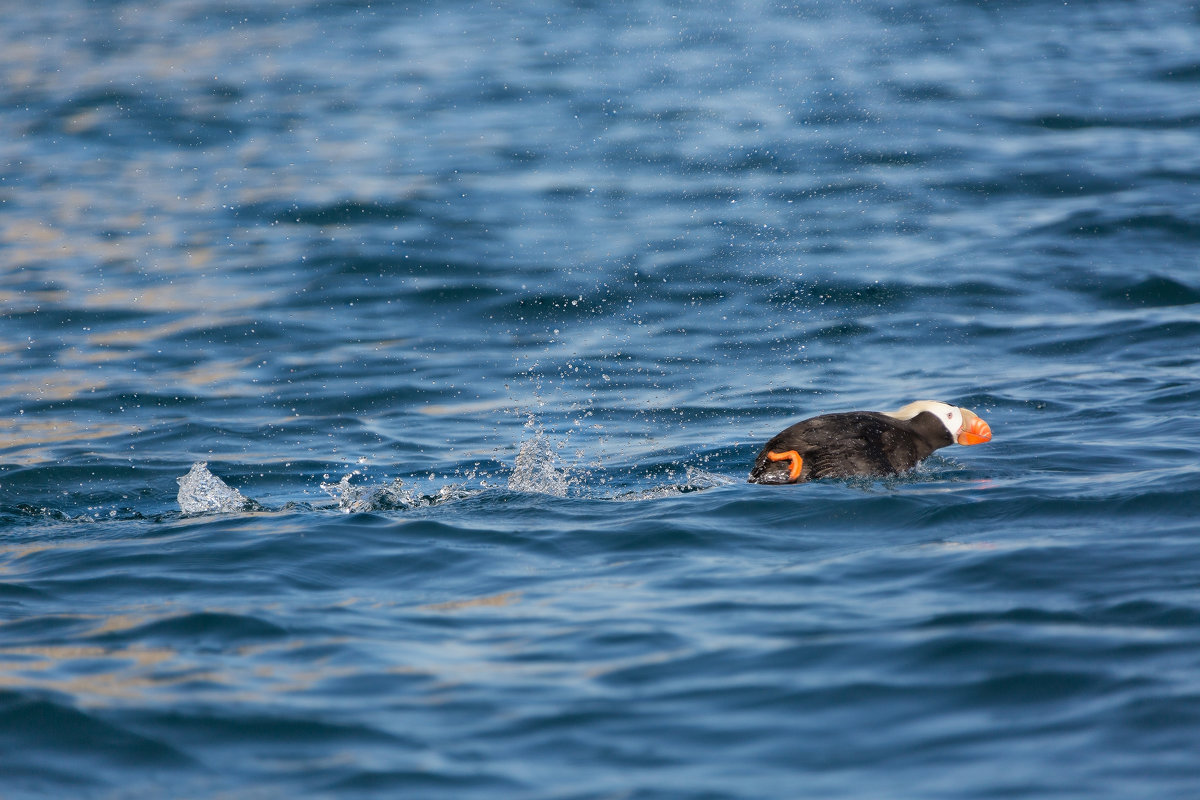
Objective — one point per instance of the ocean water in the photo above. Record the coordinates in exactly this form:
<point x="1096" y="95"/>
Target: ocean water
<point x="381" y="381"/>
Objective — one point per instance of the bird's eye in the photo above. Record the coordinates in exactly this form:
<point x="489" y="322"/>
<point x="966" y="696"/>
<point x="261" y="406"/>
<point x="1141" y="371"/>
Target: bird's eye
<point x="950" y="415"/>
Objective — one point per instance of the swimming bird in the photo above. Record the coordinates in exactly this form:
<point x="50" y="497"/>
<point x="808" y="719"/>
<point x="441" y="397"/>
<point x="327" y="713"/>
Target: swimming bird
<point x="865" y="443"/>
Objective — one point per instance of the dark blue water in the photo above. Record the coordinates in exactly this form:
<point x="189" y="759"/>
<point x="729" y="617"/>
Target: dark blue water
<point x="486" y="311"/>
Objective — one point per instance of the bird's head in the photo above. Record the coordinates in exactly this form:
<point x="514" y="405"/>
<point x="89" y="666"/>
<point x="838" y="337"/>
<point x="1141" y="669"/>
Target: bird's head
<point x="965" y="426"/>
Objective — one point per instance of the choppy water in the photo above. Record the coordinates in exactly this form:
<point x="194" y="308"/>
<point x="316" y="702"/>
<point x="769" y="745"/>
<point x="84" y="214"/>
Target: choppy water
<point x="485" y="311"/>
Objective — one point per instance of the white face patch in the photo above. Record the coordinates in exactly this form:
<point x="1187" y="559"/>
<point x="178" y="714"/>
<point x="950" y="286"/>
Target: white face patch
<point x="950" y="416"/>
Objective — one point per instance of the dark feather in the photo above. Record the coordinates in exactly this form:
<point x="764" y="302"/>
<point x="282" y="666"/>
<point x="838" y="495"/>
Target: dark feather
<point x="853" y="444"/>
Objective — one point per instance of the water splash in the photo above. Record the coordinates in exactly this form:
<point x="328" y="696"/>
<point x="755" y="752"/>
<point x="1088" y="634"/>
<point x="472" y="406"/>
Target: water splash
<point x="362" y="498"/>
<point x="537" y="468"/>
<point x="201" y="492"/>
<point x="389" y="496"/>
<point x="699" y="479"/>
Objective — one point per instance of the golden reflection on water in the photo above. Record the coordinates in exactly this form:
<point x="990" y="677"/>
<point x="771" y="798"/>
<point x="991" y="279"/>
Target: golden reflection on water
<point x="100" y="675"/>
<point x="31" y="438"/>
<point x="61" y="384"/>
<point x="95" y="674"/>
<point x="502" y="599"/>
<point x="45" y="667"/>
<point x="105" y="354"/>
<point x="75" y="668"/>
<point x="30" y="441"/>
<point x="207" y="295"/>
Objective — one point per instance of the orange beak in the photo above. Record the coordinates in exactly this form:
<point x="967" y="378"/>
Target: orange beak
<point x="974" y="429"/>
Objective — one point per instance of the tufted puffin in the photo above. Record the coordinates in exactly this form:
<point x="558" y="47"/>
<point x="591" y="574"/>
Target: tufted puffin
<point x="865" y="443"/>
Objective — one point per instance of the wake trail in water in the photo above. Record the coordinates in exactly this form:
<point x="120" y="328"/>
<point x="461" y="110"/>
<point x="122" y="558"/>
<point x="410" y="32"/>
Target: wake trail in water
<point x="537" y="469"/>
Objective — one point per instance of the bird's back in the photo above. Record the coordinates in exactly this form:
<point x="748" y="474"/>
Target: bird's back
<point x="845" y="445"/>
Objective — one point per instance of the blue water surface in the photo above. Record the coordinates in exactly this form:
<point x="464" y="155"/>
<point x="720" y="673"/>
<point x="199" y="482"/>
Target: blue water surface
<point x="485" y="310"/>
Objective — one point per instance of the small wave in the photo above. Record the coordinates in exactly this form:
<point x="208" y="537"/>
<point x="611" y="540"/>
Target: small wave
<point x="1153" y="291"/>
<point x="695" y="480"/>
<point x="349" y="211"/>
<point x="27" y="513"/>
<point x="1141" y="221"/>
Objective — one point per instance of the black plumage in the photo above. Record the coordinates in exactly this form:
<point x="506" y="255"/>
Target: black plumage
<point x="847" y="445"/>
